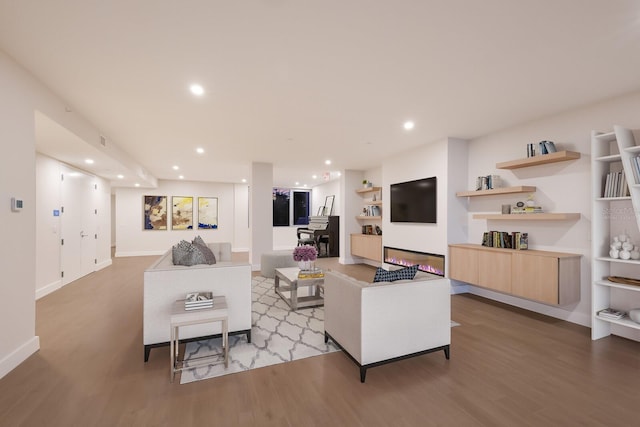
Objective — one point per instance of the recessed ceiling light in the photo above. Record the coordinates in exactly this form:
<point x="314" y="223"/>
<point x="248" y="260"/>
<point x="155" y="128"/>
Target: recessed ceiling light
<point x="297" y="183"/>
<point x="244" y="180"/>
<point x="408" y="125"/>
<point x="327" y="162"/>
<point x="339" y="174"/>
<point x="196" y="89"/>
<point x="304" y="185"/>
<point x="181" y="177"/>
<point x="89" y="161"/>
<point x="199" y="150"/>
<point x="136" y="184"/>
<point x="120" y="176"/>
<point x="314" y="176"/>
<point x="175" y="167"/>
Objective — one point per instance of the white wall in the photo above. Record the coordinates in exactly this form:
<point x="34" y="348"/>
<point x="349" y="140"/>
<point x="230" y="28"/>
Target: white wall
<point x="319" y="194"/>
<point x="424" y="162"/>
<point x="561" y="187"/>
<point x="133" y="240"/>
<point x="22" y="96"/>
<point x="241" y="235"/>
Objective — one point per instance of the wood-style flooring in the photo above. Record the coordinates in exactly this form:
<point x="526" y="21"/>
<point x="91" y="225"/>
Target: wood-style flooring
<point x="508" y="367"/>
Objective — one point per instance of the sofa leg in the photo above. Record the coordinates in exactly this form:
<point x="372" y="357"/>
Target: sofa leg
<point x="147" y="350"/>
<point x="446" y="351"/>
<point x="326" y="337"/>
<point x="249" y="336"/>
<point x="363" y="373"/>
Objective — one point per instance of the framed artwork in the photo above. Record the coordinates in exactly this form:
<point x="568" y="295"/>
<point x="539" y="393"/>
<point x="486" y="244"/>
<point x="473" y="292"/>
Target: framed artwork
<point x="155" y="213"/>
<point x="181" y="213"/>
<point x="328" y="205"/>
<point x="207" y="212"/>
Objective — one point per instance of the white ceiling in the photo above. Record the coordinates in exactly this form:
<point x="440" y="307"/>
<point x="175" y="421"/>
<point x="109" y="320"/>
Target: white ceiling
<point x="296" y="82"/>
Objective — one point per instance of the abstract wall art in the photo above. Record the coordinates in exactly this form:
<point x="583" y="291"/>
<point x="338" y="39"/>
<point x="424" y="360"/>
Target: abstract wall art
<point x="155" y="212"/>
<point x="207" y="212"/>
<point x="181" y="213"/>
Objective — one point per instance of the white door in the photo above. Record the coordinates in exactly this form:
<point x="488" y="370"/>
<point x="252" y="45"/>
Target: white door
<point x="77" y="224"/>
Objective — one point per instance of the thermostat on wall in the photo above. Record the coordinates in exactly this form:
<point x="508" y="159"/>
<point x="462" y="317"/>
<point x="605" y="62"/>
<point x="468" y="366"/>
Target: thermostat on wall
<point x="16" y="204"/>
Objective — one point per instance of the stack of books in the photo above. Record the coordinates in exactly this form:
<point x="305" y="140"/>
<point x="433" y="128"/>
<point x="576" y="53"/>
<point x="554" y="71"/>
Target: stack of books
<point x="610" y="313"/>
<point x="503" y="239"/>
<point x="615" y="185"/>
<point x="198" y="300"/>
<point x="311" y="274"/>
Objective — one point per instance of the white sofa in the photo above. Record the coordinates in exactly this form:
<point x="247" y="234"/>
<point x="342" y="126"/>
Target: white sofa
<point x="377" y="323"/>
<point x="165" y="283"/>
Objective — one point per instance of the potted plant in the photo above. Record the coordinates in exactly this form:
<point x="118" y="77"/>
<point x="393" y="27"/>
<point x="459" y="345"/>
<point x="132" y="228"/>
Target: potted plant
<point x="367" y="183"/>
<point x="305" y="255"/>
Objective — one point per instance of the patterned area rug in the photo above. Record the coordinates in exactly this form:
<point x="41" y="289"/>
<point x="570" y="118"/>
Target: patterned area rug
<point x="278" y="335"/>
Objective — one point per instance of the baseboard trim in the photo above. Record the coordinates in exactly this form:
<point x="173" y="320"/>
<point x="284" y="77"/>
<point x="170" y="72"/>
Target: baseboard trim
<point x="139" y="253"/>
<point x="19" y="355"/>
<point x="47" y="289"/>
<point x="104" y="264"/>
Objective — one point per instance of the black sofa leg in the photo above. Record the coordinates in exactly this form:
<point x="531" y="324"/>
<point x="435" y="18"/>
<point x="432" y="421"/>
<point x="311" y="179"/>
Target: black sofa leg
<point x="147" y="350"/>
<point x="326" y="337"/>
<point x="249" y="336"/>
<point x="446" y="352"/>
<point x="363" y="373"/>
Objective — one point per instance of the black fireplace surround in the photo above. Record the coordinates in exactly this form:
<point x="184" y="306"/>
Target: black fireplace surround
<point x="430" y="263"/>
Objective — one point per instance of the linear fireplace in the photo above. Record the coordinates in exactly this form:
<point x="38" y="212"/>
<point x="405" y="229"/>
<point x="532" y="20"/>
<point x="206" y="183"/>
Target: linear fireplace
<point x="431" y="263"/>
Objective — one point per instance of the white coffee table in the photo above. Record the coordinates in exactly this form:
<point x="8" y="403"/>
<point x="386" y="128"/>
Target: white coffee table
<point x="181" y="317"/>
<point x="292" y="285"/>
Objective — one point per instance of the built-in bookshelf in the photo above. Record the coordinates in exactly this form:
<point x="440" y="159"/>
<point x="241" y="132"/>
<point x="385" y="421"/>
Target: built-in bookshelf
<point x="613" y="153"/>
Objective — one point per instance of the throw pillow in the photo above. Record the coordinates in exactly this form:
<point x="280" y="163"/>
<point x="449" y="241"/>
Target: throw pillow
<point x="185" y="253"/>
<point x="198" y="241"/>
<point x="209" y="257"/>
<point x="407" y="273"/>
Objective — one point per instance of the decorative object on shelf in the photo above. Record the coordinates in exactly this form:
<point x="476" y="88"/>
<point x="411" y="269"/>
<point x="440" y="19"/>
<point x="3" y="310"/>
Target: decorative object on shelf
<point x="530" y="201"/>
<point x="488" y="182"/>
<point x="328" y="205"/>
<point x="635" y="253"/>
<point x="367" y="183"/>
<point x="305" y="255"/>
<point x="624" y="280"/>
<point x="611" y="313"/>
<point x="541" y="148"/>
<point x="378" y="230"/>
<point x="622" y="247"/>
<point x="634" y="314"/>
<point x="506" y="209"/>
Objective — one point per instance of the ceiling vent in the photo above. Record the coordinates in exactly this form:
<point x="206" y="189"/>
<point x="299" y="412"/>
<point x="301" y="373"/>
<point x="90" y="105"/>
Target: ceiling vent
<point x="103" y="141"/>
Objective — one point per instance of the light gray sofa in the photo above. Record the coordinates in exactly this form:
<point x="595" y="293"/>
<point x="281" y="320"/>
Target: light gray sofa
<point x="378" y="323"/>
<point x="165" y="283"/>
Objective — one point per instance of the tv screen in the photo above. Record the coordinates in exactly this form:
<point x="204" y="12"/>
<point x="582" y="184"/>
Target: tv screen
<point x="414" y="201"/>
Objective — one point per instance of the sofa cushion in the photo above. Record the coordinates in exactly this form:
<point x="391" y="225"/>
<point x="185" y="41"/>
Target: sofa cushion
<point x="185" y="253"/>
<point x="407" y="273"/>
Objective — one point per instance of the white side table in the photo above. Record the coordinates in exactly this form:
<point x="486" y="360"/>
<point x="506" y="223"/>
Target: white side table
<point x="181" y="317"/>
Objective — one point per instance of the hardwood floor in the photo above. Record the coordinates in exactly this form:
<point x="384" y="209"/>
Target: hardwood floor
<point x="508" y="367"/>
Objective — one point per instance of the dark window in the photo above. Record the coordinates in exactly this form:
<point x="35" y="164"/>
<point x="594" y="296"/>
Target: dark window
<point x="281" y="207"/>
<point x="301" y="207"/>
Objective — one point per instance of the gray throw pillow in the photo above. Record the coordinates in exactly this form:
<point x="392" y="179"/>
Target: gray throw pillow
<point x="185" y="253"/>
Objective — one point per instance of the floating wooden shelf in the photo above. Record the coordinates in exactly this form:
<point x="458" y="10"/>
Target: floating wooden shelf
<point x="374" y="203"/>
<point x="560" y="156"/>
<point x="369" y="217"/>
<point x="368" y="189"/>
<point x="505" y="190"/>
<point x="530" y="217"/>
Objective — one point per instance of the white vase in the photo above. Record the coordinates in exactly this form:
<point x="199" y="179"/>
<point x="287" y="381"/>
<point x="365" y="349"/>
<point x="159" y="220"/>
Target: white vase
<point x="304" y="265"/>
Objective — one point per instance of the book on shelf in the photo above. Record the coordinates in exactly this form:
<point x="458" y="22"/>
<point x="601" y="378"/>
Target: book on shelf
<point x="611" y="313"/>
<point x="505" y="240"/>
<point x="316" y="273"/>
<point x="550" y="146"/>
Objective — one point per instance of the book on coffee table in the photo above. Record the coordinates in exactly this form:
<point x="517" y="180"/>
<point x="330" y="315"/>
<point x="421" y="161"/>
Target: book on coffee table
<point x="196" y="300"/>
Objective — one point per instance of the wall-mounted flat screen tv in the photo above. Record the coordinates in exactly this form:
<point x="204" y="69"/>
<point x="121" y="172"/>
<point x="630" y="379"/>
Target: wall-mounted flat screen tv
<point x="414" y="201"/>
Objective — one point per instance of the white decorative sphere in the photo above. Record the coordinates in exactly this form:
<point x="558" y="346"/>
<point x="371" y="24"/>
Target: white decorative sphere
<point x="635" y="253"/>
<point x="614" y="253"/>
<point x="634" y="314"/>
<point x="627" y="246"/>
<point x="624" y="254"/>
<point x="616" y="244"/>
